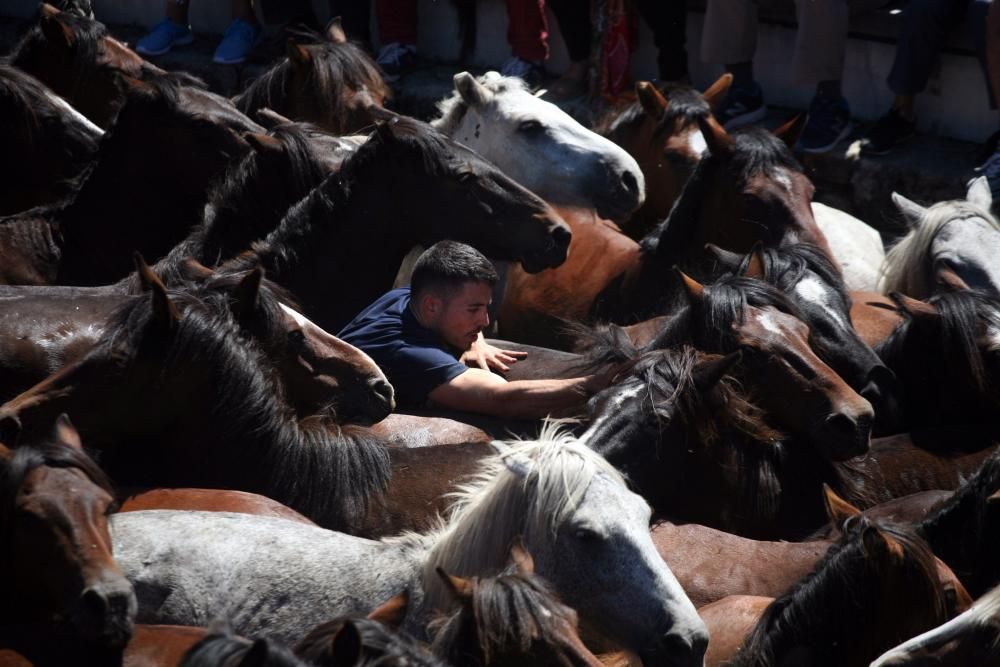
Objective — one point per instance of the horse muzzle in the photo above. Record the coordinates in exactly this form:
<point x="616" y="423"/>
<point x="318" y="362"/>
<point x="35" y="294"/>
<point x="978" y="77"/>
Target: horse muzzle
<point x="105" y="614"/>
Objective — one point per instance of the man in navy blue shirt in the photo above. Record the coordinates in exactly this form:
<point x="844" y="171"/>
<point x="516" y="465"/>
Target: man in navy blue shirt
<point x="422" y="335"/>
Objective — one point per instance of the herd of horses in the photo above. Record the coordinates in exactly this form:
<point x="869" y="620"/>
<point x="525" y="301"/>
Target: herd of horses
<point x="796" y="462"/>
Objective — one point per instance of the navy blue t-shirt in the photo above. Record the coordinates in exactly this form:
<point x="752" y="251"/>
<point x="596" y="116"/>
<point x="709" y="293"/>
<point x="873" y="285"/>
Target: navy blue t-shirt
<point x="414" y="358"/>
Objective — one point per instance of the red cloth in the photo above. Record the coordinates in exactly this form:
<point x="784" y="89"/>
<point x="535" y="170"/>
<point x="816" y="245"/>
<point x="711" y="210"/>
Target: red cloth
<point x="527" y="31"/>
<point x="397" y="21"/>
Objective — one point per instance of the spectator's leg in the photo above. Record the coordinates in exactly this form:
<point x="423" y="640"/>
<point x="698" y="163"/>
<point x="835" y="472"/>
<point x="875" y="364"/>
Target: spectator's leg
<point x="821" y="40"/>
<point x="926" y="24"/>
<point x="177" y="11"/>
<point x="573" y="18"/>
<point x="527" y="31"/>
<point x="242" y="10"/>
<point x="668" y="21"/>
<point x="978" y="10"/>
<point x="730" y="32"/>
<point x="397" y="21"/>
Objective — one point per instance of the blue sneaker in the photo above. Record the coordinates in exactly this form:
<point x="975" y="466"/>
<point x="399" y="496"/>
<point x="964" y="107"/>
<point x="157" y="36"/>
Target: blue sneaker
<point x="742" y="106"/>
<point x="829" y="122"/>
<point x="236" y="42"/>
<point x="164" y="36"/>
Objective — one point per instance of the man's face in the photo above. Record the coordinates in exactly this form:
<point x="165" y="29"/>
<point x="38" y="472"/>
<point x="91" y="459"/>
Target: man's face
<point x="461" y="315"/>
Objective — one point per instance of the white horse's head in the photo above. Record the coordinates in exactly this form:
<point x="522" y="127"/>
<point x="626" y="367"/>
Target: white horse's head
<point x="959" y="236"/>
<point x="541" y="146"/>
<point x="589" y="536"/>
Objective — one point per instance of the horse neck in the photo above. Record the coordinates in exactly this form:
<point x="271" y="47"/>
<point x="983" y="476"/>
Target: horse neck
<point x="367" y="234"/>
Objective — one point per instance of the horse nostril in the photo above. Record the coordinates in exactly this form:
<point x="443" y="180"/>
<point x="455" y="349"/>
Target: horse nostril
<point x="630" y="182"/>
<point x="842" y="424"/>
<point x="95" y="602"/>
<point x="384" y="391"/>
<point x="561" y="237"/>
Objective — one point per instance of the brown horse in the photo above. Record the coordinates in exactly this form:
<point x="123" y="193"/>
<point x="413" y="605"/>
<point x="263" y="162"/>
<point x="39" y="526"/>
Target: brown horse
<point x="43" y="328"/>
<point x="750" y="188"/>
<point x="877" y="586"/>
<point x="358" y="225"/>
<point x="210" y="500"/>
<point x="46" y="143"/>
<point x="80" y="62"/>
<point x="660" y="130"/>
<point x="509" y="619"/>
<point x="64" y="595"/>
<point x="699" y="451"/>
<point x="187" y="136"/>
<point x="324" y="79"/>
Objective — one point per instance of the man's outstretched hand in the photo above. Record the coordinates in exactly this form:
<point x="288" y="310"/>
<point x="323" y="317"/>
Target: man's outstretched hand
<point x="490" y="358"/>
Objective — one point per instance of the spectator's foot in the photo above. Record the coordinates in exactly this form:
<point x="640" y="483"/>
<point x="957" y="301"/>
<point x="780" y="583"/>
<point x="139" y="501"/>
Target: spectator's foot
<point x="164" y="36"/>
<point x="829" y="122"/>
<point x="531" y="72"/>
<point x="396" y="59"/>
<point x="742" y="106"/>
<point x="240" y="37"/>
<point x="888" y="132"/>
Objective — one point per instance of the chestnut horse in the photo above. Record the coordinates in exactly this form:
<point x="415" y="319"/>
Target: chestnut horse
<point x="65" y="598"/>
<point x="324" y="79"/>
<point x="46" y="143"/>
<point x="186" y="136"/>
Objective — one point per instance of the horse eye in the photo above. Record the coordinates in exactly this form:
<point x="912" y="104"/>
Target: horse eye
<point x="530" y="127"/>
<point x="296" y="338"/>
<point x="466" y="177"/>
<point x="586" y="535"/>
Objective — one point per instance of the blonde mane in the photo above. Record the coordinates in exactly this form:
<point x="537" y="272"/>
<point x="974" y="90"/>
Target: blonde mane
<point x="453" y="107"/>
<point x="905" y="267"/>
<point x="532" y="485"/>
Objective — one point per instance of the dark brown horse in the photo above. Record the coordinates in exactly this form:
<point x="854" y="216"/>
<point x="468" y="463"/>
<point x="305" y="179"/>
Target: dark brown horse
<point x="390" y="195"/>
<point x="324" y="79"/>
<point x="186" y="136"/>
<point x="43" y="328"/>
<point x="509" y="619"/>
<point x="221" y="648"/>
<point x="80" y="62"/>
<point x="660" y="130"/>
<point x="699" y="451"/>
<point x="877" y="586"/>
<point x="64" y="595"/>
<point x="750" y="188"/>
<point x="46" y="143"/>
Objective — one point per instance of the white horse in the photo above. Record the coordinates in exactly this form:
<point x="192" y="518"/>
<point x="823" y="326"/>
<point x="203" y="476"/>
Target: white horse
<point x="972" y="637"/>
<point x="540" y="146"/>
<point x="588" y="533"/>
<point x="856" y="245"/>
<point x="960" y="236"/>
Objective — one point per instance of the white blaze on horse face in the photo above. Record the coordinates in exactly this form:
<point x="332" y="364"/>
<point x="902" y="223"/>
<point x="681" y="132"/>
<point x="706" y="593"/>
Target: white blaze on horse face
<point x="697" y="143"/>
<point x="321" y="337"/>
<point x="77" y="116"/>
<point x="813" y="290"/>
<point x="617" y="403"/>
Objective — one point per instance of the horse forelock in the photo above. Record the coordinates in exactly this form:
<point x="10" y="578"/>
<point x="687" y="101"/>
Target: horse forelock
<point x="786" y="266"/>
<point x="845" y="581"/>
<point x="379" y="643"/>
<point x="504" y="501"/>
<point x="452" y="109"/>
<point x="907" y="267"/>
<point x="756" y="151"/>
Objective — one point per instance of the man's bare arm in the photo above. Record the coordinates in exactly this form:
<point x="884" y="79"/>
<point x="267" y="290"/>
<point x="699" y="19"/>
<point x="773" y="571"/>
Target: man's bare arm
<point x="477" y="390"/>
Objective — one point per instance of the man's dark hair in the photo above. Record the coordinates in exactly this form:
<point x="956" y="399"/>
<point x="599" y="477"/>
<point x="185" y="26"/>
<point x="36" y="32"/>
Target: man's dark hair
<point x="447" y="266"/>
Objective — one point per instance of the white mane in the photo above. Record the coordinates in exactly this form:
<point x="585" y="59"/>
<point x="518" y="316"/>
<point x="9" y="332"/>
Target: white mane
<point x="453" y="107"/>
<point x="905" y="266"/>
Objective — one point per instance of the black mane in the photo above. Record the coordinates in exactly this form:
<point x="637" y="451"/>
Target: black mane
<point x="686" y="105"/>
<point x="221" y="648"/>
<point x="784" y="267"/>
<point x="87" y="35"/>
<point x="382" y="645"/>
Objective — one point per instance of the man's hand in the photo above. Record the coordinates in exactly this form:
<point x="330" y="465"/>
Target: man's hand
<point x="488" y="357"/>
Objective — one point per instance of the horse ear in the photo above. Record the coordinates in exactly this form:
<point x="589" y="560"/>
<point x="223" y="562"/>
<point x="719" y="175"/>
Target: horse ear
<point x="66" y="433"/>
<point x="913" y="213"/>
<point x="53" y="27"/>
<point x="262" y="142"/>
<point x="460" y="587"/>
<point x="708" y="374"/>
<point x="876" y="541"/>
<point x="195" y="270"/>
<point x="718" y="140"/>
<point x="257" y="656"/>
<point x="694" y="289"/>
<point x="246" y="295"/>
<point x="755" y="262"/>
<point x="716" y="93"/>
<point x="838" y="509"/>
<point x="392" y="611"/>
<point x="270" y="118"/>
<point x="792" y="130"/>
<point x="521" y="558"/>
<point x="472" y="92"/>
<point x="346" y="646"/>
<point x="726" y="258"/>
<point x="297" y="54"/>
<point x="912" y="307"/>
<point x="652" y="100"/>
<point x="946" y="277"/>
<point x="979" y="193"/>
<point x="164" y="310"/>
<point x="335" y="31"/>
<point x="993" y="499"/>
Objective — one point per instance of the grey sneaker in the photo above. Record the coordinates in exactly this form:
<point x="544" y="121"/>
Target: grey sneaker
<point x="742" y="106"/>
<point x="829" y="122"/>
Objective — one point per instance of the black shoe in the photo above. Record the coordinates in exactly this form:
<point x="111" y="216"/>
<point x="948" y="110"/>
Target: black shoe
<point x="742" y="106"/>
<point x="888" y="132"/>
